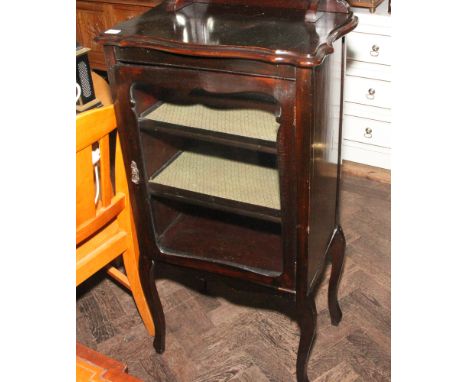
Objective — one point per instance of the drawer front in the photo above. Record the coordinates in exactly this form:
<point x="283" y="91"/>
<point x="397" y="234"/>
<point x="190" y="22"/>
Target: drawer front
<point x="372" y="48"/>
<point x="154" y="57"/>
<point x="368" y="91"/>
<point x="367" y="154"/>
<point x="366" y="70"/>
<point x="367" y="131"/>
<point x="364" y="111"/>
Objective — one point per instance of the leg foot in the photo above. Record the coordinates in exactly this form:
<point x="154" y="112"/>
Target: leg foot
<point x="308" y="324"/>
<point x="147" y="273"/>
<point x="336" y="251"/>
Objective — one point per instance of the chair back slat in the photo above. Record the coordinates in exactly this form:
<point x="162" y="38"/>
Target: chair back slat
<point x="85" y="187"/>
<point x="92" y="129"/>
<point x="105" y="172"/>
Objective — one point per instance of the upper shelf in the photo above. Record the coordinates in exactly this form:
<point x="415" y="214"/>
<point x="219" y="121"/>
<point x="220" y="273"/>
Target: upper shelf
<point x="275" y="35"/>
<point x="247" y="128"/>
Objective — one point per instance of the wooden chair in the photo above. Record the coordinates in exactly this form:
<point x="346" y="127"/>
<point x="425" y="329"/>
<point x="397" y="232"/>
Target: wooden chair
<point x="105" y="230"/>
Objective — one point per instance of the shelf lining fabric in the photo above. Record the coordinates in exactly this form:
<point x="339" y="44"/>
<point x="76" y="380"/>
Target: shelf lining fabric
<point x="223" y="178"/>
<point x="250" y="123"/>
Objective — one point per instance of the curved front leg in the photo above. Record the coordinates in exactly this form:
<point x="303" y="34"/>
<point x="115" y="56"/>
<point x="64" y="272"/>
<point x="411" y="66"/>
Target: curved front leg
<point x="148" y="276"/>
<point x="336" y="252"/>
<point x="308" y="323"/>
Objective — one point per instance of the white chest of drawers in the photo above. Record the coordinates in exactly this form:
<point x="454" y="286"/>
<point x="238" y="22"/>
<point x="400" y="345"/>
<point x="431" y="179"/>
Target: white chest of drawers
<point x="367" y="107"/>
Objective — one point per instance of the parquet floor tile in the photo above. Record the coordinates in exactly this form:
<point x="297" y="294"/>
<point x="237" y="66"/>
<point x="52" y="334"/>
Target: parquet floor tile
<point x="216" y="336"/>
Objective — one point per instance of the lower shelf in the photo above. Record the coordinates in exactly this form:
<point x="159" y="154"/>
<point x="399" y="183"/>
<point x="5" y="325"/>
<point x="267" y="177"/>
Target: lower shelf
<point x="212" y="181"/>
<point x="241" y="242"/>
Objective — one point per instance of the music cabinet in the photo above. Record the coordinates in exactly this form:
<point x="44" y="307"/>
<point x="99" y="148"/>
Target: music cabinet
<point x="230" y="119"/>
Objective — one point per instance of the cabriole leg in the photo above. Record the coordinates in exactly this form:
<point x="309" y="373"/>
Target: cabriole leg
<point x="148" y="273"/>
<point x="336" y="252"/>
<point x="307" y="323"/>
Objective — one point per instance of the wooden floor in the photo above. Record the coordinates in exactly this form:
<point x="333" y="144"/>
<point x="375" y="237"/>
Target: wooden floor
<point x="224" y="339"/>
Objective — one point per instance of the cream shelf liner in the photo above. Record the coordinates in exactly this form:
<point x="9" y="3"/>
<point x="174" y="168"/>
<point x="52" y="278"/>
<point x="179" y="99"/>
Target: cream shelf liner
<point x="249" y="123"/>
<point x="223" y="178"/>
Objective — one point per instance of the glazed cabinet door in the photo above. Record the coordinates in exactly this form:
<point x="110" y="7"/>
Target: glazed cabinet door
<point x="214" y="183"/>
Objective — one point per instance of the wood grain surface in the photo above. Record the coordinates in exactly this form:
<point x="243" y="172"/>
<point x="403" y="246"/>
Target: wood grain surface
<point x="223" y="335"/>
<point x="370" y="172"/>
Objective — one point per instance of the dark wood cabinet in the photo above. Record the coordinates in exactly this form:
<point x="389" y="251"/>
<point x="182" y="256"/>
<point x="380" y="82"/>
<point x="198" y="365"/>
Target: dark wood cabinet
<point x="96" y="16"/>
<point x="230" y="117"/>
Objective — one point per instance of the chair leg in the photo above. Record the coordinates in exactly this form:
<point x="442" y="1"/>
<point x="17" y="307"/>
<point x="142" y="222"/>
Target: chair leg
<point x="307" y="323"/>
<point x="147" y="273"/>
<point x="336" y="253"/>
<point x="133" y="274"/>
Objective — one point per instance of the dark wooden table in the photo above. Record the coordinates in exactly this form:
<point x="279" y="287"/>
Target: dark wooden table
<point x="230" y="118"/>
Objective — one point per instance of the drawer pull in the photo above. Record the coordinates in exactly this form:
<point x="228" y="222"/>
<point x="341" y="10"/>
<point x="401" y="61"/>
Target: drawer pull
<point x="368" y="132"/>
<point x="375" y="50"/>
<point x="370" y="93"/>
<point x="135" y="172"/>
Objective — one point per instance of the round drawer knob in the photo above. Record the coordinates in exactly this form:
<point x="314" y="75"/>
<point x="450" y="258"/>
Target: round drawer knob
<point x="375" y="50"/>
<point x="368" y="132"/>
<point x="370" y="93"/>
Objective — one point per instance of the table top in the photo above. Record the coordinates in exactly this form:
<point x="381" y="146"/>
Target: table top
<point x="274" y="35"/>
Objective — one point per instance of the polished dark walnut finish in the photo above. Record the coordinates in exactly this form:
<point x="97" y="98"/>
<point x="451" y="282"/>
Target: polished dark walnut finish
<point x="271" y="63"/>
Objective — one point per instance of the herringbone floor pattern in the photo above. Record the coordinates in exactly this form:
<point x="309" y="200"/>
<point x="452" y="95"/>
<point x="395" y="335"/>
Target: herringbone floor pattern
<point x="224" y="339"/>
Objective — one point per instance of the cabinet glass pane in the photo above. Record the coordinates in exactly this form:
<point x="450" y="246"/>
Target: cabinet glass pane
<point x="212" y="174"/>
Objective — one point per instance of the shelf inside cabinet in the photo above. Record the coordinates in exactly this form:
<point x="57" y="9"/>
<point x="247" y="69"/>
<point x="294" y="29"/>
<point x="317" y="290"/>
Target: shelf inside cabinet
<point x="245" y="243"/>
<point x="221" y="183"/>
<point x="247" y="128"/>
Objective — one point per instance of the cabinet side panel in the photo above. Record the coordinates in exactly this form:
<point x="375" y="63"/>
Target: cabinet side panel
<point x="325" y="157"/>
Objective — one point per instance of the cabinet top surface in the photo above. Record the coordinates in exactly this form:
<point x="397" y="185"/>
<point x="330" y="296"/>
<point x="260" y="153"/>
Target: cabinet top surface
<point x="219" y="30"/>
